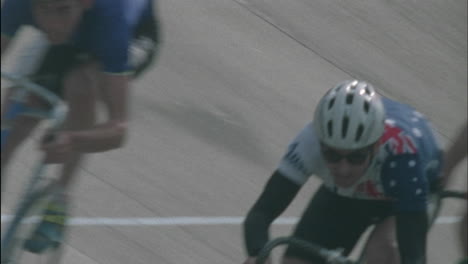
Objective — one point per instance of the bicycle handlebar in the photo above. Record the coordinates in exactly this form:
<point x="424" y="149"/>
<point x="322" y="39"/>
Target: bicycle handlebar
<point x="331" y="256"/>
<point x="59" y="108"/>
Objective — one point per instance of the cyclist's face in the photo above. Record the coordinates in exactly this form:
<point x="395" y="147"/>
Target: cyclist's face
<point x="346" y="166"/>
<point x="58" y="19"/>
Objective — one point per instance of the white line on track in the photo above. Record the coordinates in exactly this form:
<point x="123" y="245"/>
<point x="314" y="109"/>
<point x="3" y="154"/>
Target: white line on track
<point x="187" y="221"/>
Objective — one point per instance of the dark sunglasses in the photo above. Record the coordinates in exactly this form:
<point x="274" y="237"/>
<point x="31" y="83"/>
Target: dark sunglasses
<point x="355" y="158"/>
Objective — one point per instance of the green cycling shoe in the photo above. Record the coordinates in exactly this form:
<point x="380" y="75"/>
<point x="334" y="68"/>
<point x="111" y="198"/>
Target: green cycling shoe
<point x="50" y="232"/>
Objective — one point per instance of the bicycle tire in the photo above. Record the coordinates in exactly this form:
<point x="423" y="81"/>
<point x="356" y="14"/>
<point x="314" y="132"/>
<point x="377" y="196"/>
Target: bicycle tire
<point x="19" y="229"/>
<point x="462" y="195"/>
<point x="437" y="200"/>
<point x="304" y="245"/>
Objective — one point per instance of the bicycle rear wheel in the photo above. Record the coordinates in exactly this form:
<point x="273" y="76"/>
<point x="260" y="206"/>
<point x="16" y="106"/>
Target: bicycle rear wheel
<point x="21" y="227"/>
<point x="436" y="199"/>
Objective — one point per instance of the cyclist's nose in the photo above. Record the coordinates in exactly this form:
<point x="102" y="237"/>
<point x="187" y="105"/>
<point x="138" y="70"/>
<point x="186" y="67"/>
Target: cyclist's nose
<point x="56" y="35"/>
<point x="341" y="168"/>
<point x="54" y="26"/>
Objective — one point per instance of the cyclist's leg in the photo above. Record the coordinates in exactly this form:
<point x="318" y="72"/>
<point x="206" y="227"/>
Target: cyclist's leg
<point x="382" y="247"/>
<point x="80" y="91"/>
<point x="333" y="221"/>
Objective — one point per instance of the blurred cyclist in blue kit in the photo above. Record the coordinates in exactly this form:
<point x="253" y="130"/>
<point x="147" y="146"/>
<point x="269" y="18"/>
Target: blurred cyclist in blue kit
<point x="88" y="57"/>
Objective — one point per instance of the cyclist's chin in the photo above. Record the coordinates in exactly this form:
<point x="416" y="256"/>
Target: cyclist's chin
<point x="345" y="181"/>
<point x="57" y="39"/>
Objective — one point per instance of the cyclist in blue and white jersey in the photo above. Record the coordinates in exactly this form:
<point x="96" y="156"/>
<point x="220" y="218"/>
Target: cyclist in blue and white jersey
<point x="378" y="160"/>
<point x="87" y="59"/>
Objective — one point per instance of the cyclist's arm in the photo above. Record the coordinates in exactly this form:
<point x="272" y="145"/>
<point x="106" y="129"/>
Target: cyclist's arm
<point x="404" y="179"/>
<point x="110" y="45"/>
<point x="277" y="195"/>
<point x="412" y="236"/>
<point x="111" y="134"/>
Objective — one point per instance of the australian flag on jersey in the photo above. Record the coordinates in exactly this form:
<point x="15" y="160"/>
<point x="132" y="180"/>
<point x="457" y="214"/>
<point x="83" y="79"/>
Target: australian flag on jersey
<point x="412" y="156"/>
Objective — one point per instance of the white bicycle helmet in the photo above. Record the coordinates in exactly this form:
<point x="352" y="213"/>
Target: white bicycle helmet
<point x="350" y="116"/>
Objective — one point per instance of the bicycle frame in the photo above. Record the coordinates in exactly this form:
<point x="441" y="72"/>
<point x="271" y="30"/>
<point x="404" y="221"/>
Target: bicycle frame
<point x="56" y="114"/>
<point x="17" y="108"/>
<point x="335" y="256"/>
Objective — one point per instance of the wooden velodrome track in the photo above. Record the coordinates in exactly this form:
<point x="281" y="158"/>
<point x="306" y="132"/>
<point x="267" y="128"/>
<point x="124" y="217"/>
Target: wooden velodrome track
<point x="236" y="80"/>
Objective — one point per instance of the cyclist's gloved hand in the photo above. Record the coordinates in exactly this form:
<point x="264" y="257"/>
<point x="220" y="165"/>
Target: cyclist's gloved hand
<point x="57" y="146"/>
<point x="48" y="138"/>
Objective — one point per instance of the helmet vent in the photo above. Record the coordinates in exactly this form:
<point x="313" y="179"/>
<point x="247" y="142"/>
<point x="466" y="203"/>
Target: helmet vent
<point x="330" y="104"/>
<point x="330" y="128"/>
<point x="349" y="98"/>
<point x="367" y="91"/>
<point x="344" y="127"/>
<point x="366" y="106"/>
<point x="359" y="132"/>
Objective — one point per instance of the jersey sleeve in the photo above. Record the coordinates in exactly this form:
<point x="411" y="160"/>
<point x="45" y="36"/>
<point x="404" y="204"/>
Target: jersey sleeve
<point x="404" y="180"/>
<point x="113" y="39"/>
<point x="297" y="163"/>
<point x="15" y="13"/>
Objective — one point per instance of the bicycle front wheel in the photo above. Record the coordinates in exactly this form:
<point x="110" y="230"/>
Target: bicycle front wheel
<point x="21" y="227"/>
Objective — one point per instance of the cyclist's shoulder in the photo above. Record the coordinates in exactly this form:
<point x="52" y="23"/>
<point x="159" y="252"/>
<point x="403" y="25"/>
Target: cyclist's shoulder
<point x="306" y="140"/>
<point x="400" y="148"/>
<point x="127" y="7"/>
<point x="407" y="130"/>
<point x="302" y="155"/>
<point x="396" y="146"/>
<point x="112" y="18"/>
<point x="405" y="125"/>
<point x="402" y="115"/>
<point x="16" y="11"/>
<point x="308" y="133"/>
<point x="16" y="4"/>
